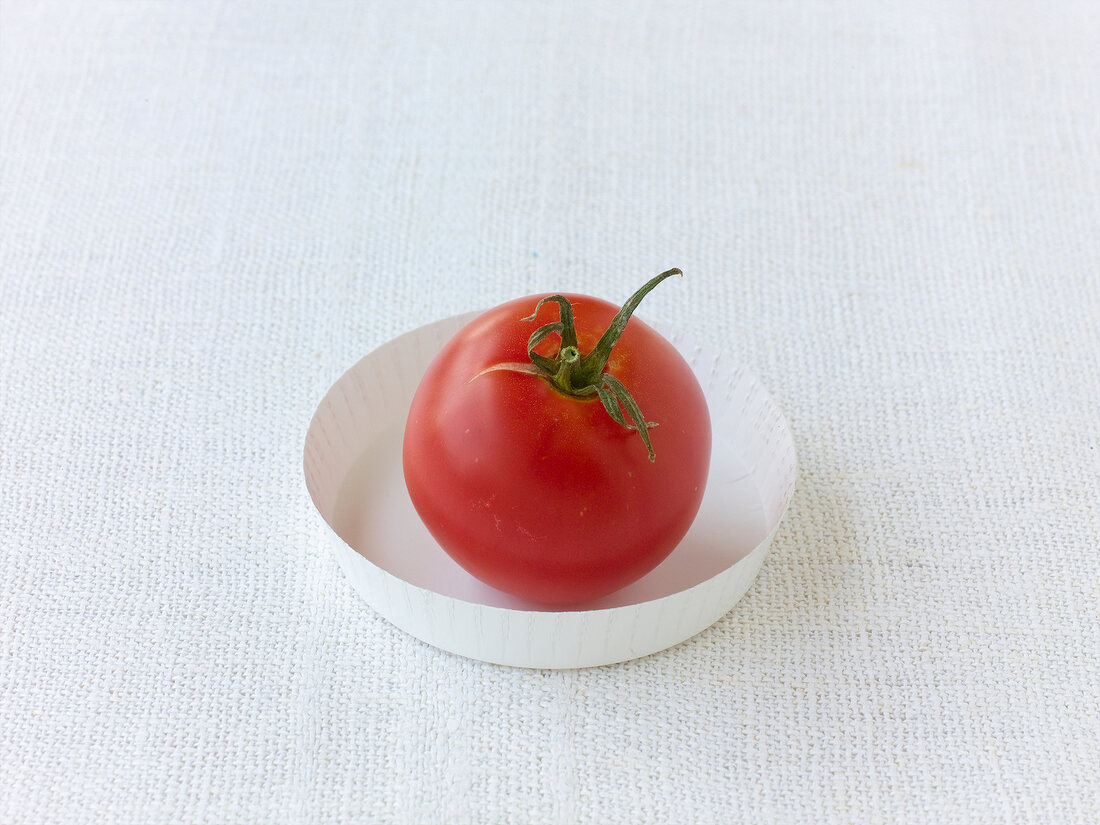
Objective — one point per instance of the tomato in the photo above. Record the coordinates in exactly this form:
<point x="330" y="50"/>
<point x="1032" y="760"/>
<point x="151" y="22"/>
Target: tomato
<point x="559" y="490"/>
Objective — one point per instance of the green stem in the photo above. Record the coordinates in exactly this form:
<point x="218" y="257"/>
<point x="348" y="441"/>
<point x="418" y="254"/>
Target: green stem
<point x="568" y="359"/>
<point x="583" y="376"/>
<point x="596" y="360"/>
<point x="568" y="329"/>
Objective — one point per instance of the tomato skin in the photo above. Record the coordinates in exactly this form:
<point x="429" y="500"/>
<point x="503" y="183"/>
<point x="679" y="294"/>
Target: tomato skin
<point x="543" y="495"/>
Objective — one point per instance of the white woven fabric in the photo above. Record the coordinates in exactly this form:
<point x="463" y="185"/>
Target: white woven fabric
<point x="889" y="211"/>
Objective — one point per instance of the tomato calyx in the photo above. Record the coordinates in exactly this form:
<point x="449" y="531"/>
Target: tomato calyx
<point x="583" y="376"/>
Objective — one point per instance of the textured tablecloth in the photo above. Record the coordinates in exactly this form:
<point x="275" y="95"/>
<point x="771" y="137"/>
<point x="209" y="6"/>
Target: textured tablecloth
<point x="889" y="211"/>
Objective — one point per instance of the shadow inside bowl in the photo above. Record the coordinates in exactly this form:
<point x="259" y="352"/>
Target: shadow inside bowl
<point x="374" y="515"/>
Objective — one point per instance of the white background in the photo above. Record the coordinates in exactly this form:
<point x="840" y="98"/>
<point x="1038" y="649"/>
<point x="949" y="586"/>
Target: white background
<point x="889" y="211"/>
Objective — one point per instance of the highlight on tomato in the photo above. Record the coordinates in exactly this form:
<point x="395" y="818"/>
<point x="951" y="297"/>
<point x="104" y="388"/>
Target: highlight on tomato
<point x="560" y="461"/>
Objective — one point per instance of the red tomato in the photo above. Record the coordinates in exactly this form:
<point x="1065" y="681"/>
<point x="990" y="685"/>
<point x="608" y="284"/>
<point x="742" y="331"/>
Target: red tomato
<point x="541" y="493"/>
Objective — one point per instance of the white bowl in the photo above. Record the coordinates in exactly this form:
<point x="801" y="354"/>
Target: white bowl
<point x="353" y="473"/>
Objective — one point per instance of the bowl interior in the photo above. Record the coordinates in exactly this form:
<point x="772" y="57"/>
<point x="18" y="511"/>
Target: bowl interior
<point x="353" y="473"/>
